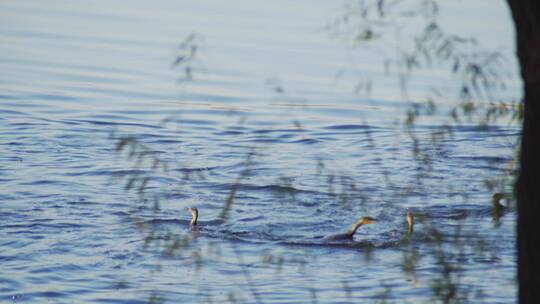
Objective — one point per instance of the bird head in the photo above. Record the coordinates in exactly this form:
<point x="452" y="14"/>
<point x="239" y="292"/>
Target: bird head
<point x="365" y="220"/>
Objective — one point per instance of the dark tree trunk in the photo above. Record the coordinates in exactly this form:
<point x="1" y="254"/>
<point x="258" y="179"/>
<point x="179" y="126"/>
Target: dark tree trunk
<point x="526" y="15"/>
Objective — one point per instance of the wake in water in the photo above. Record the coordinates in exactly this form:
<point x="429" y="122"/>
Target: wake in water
<point x="220" y="230"/>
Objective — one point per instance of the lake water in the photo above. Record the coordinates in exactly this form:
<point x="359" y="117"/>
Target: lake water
<point x="266" y="116"/>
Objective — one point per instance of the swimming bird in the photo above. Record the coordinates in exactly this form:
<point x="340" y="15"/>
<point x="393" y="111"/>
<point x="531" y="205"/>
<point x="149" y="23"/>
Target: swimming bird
<point x="410" y="222"/>
<point x="349" y="234"/>
<point x="194" y="216"/>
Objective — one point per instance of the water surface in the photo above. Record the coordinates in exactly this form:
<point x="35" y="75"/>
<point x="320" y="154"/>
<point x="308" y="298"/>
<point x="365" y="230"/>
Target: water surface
<point x="77" y="77"/>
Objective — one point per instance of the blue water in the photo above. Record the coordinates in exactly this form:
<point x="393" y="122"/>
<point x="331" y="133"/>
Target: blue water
<point x="80" y="76"/>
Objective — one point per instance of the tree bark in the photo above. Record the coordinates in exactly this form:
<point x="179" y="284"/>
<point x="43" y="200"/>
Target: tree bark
<point x="526" y="15"/>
